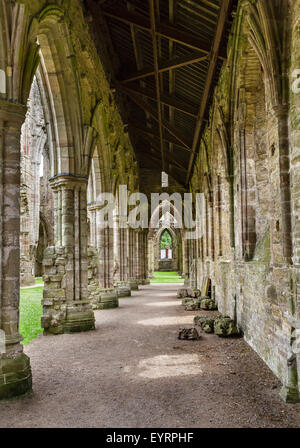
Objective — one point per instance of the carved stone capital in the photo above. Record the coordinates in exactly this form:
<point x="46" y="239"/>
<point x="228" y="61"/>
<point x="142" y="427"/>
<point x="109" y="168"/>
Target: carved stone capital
<point x="12" y="112"/>
<point x="68" y="181"/>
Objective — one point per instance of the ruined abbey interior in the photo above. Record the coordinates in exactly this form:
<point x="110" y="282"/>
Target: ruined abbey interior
<point x="182" y="99"/>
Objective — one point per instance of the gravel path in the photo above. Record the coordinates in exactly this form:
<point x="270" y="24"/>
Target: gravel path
<point x="134" y="372"/>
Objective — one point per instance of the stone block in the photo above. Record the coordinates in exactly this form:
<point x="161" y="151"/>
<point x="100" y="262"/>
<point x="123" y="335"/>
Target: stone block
<point x="60" y="261"/>
<point x="189" y="333"/>
<point x="56" y="278"/>
<point x="123" y="291"/>
<point x="225" y="326"/>
<point x="60" y="250"/>
<point x="49" y="252"/>
<point x="61" y="269"/>
<point x="205" y="323"/>
<point x="195" y="293"/>
<point x="207" y="303"/>
<point x="182" y="293"/>
<point x="133" y="285"/>
<point x="50" y="293"/>
<point x="106" y="305"/>
<point x="51" y="270"/>
<point x="15" y="376"/>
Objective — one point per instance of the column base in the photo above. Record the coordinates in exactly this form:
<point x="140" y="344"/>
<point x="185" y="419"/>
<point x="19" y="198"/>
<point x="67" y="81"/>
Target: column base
<point x="123" y="289"/>
<point x="79" y="317"/>
<point x="290" y="394"/>
<point x="15" y="376"/>
<point x="106" y="299"/>
<point x="133" y="285"/>
<point x="145" y="281"/>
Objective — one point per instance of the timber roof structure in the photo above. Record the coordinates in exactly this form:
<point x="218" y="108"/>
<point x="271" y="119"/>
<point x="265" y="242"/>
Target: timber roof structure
<point x="165" y="60"/>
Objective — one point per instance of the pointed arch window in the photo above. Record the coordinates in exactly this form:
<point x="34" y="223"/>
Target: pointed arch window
<point x="166" y="246"/>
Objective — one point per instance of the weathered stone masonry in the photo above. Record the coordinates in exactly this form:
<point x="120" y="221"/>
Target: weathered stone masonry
<point x="246" y="165"/>
<point x="66" y="302"/>
<point x="37" y="217"/>
<point x="75" y="122"/>
<point x="248" y="154"/>
<point x="15" y="372"/>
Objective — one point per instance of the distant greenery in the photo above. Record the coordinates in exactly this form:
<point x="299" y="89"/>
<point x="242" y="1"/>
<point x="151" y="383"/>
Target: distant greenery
<point x="39" y="280"/>
<point x="166" y="240"/>
<point x="166" y="277"/>
<point x="30" y="313"/>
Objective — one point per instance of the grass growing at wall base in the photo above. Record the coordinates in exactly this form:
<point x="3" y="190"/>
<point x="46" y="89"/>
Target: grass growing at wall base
<point x="30" y="313"/>
<point x="166" y="277"/>
<point x="39" y="280"/>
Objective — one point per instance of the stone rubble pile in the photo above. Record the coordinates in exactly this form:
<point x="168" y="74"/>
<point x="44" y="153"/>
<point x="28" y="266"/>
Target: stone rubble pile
<point x="221" y="325"/>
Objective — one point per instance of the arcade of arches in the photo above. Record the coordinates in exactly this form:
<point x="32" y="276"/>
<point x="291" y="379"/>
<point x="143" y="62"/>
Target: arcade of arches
<point x="77" y="122"/>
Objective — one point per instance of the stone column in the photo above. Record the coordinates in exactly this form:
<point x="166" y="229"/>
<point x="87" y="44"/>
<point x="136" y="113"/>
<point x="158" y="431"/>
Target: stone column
<point x="93" y="226"/>
<point x="146" y="280"/>
<point x="186" y="262"/>
<point x="105" y="245"/>
<point x="124" y="254"/>
<point x="102" y="294"/>
<point x="139" y="256"/>
<point x="132" y="259"/>
<point x="15" y="371"/>
<point x="281" y="112"/>
<point x="120" y="259"/>
<point x="66" y="304"/>
<point x="150" y="257"/>
<point x="116" y="251"/>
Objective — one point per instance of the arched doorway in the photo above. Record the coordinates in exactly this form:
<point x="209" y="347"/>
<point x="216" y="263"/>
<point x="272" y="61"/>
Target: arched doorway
<point x="166" y="246"/>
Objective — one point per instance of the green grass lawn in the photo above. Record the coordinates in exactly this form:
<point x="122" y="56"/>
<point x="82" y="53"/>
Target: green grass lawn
<point x="30" y="313"/>
<point x="39" y="280"/>
<point x="166" y="277"/>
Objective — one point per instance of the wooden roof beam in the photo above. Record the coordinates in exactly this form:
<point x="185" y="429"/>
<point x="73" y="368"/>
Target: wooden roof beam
<point x="178" y="62"/>
<point x="141" y="129"/>
<point x="171" y="161"/>
<point x="157" y="80"/>
<point x="170" y="128"/>
<point x="165" y="29"/>
<point x="172" y="73"/>
<point x="166" y="99"/>
<point x="223" y="16"/>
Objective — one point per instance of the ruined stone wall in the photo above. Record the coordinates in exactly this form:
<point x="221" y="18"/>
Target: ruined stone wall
<point x="36" y="195"/>
<point x="295" y="166"/>
<point x="239" y="170"/>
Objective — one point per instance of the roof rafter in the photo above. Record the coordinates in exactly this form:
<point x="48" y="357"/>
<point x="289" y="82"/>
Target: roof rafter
<point x="171" y="161"/>
<point x="222" y="18"/>
<point x="141" y="129"/>
<point x="157" y="80"/>
<point x="172" y="130"/>
<point x="177" y="62"/>
<point x="165" y="99"/>
<point x="156" y="159"/>
<point x="165" y="29"/>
